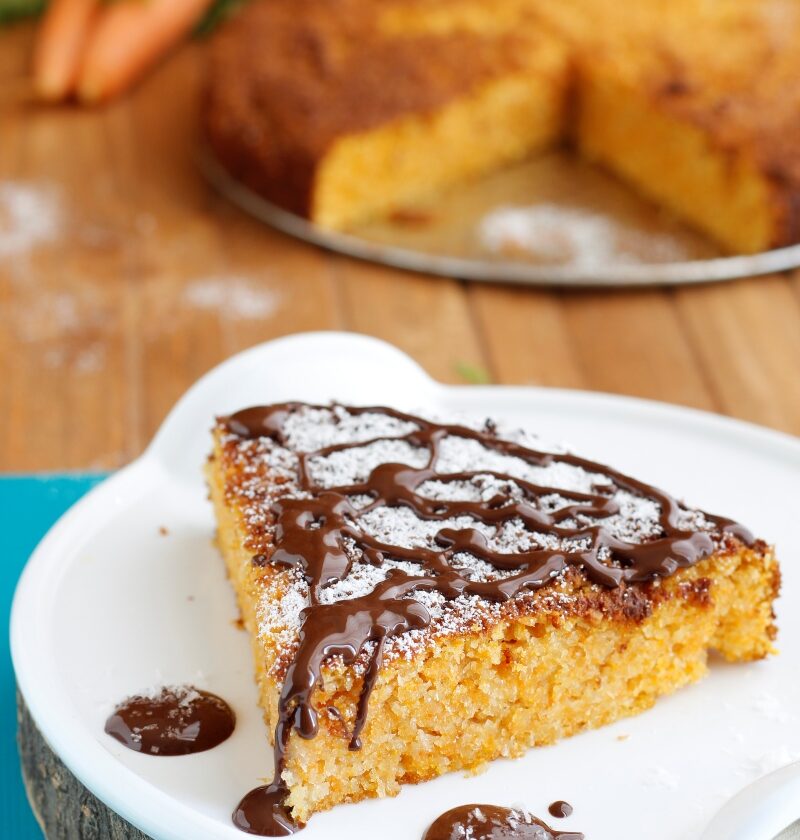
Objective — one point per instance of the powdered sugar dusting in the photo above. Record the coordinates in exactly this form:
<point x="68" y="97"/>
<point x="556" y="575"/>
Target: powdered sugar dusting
<point x="238" y="297"/>
<point x="185" y="695"/>
<point x="266" y="470"/>
<point x="30" y="215"/>
<point x="312" y="428"/>
<point x="351" y="466"/>
<point x="572" y="236"/>
<point x="658" y="776"/>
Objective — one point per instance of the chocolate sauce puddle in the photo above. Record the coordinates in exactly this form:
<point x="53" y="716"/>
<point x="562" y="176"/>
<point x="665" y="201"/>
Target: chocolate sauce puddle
<point x="179" y="720"/>
<point x="491" y="822"/>
<point x="560" y="809"/>
<point x="310" y="534"/>
<point x="263" y="812"/>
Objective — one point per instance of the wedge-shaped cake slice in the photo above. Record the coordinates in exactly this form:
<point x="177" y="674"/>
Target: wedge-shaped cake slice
<point x="425" y="597"/>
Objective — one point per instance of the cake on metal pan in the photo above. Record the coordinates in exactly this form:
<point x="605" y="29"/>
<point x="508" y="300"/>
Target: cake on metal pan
<point x="345" y="110"/>
<point x="424" y="597"/>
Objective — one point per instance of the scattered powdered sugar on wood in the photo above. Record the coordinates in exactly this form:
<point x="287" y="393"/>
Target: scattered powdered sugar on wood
<point x="237" y="297"/>
<point x="30" y="215"/>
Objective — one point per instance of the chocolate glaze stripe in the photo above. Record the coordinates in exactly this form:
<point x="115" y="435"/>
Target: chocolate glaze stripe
<point x="311" y="533"/>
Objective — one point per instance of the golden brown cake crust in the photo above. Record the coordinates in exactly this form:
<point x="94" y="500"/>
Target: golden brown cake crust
<point x="729" y="69"/>
<point x="251" y="485"/>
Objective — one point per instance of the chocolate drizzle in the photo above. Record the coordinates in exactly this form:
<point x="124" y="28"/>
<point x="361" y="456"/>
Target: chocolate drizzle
<point x="316" y="530"/>
<point x="491" y="822"/>
<point x="176" y="721"/>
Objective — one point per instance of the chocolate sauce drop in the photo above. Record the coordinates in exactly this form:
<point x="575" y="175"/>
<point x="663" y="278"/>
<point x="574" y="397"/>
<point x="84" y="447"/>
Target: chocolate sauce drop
<point x="263" y="811"/>
<point x="311" y="532"/>
<point x="491" y="822"/>
<point x="178" y="720"/>
<point x="560" y="809"/>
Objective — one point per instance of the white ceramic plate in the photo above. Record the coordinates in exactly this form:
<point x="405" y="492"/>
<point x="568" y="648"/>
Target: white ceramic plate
<point x="107" y="606"/>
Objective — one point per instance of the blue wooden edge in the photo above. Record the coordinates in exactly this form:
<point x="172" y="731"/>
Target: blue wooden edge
<point x="30" y="504"/>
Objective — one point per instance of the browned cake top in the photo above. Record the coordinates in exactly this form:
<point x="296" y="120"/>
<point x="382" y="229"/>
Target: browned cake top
<point x="312" y="71"/>
<point x="287" y="79"/>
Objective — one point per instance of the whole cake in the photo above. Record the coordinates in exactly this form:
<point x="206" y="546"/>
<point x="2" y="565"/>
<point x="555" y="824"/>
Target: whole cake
<point x="423" y="596"/>
<point x="344" y="110"/>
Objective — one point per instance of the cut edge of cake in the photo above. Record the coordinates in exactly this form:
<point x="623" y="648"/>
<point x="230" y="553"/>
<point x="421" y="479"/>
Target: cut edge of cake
<point x="641" y="133"/>
<point x="410" y="160"/>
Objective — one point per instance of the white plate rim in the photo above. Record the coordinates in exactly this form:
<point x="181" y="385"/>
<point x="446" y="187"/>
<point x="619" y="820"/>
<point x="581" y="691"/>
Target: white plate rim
<point x="133" y="798"/>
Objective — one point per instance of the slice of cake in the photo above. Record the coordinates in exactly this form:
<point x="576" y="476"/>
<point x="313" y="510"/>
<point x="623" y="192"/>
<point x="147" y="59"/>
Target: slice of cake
<point x="424" y="597"/>
<point x="335" y="116"/>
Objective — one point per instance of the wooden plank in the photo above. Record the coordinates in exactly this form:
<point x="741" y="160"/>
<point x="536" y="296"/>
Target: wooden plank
<point x="61" y="285"/>
<point x="15" y="59"/>
<point x="64" y="808"/>
<point x="747" y="336"/>
<point x="151" y="279"/>
<point x="207" y="280"/>
<point x="633" y="342"/>
<point x="526" y="336"/>
<point x="426" y="317"/>
<point x="294" y="287"/>
<point x="626" y="342"/>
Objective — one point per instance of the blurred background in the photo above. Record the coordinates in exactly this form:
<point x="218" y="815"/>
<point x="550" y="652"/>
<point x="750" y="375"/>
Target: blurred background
<point x="123" y="277"/>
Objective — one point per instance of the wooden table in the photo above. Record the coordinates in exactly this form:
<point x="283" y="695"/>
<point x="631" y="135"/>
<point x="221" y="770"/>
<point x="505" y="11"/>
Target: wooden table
<point x="146" y="279"/>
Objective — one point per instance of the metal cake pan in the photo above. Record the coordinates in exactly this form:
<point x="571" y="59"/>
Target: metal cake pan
<point x="579" y="203"/>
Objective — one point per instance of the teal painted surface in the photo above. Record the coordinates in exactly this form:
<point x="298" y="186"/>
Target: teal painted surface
<point x="29" y="505"/>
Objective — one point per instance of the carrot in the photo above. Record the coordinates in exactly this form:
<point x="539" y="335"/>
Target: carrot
<point x="129" y="37"/>
<point x="60" y="41"/>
